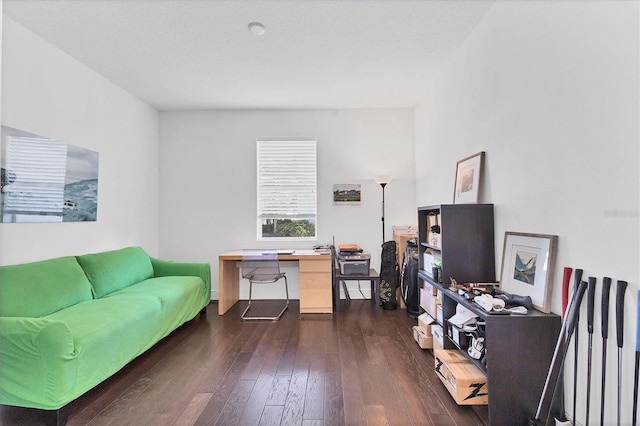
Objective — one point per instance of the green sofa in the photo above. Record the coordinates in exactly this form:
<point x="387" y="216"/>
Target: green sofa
<point x="67" y="324"/>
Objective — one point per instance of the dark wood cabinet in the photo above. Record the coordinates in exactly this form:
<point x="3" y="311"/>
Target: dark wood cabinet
<point x="465" y="244"/>
<point x="519" y="348"/>
<point x="519" y="353"/>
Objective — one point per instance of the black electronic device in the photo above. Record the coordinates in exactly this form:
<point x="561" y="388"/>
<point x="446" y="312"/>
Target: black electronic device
<point x="354" y="263"/>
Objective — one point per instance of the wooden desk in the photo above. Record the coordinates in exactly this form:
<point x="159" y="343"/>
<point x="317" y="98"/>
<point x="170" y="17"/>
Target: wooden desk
<point x="315" y="281"/>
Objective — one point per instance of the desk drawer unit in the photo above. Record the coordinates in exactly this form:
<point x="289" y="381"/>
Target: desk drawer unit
<point x="315" y="285"/>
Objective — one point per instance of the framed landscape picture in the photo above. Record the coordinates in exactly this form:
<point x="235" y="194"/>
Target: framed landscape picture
<point x="528" y="263"/>
<point x="346" y="193"/>
<point x="468" y="174"/>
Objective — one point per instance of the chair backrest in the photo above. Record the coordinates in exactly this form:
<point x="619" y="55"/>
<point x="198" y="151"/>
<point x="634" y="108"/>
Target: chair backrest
<point x="260" y="265"/>
<point x="335" y="264"/>
<point x="334" y="257"/>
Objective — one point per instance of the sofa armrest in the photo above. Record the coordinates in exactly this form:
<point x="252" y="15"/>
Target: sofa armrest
<point x="36" y="362"/>
<point x="166" y="268"/>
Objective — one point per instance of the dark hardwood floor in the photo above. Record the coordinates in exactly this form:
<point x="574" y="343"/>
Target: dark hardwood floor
<point x="359" y="366"/>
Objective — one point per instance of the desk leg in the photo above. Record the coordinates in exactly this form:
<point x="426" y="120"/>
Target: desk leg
<point x="376" y="291"/>
<point x="228" y="285"/>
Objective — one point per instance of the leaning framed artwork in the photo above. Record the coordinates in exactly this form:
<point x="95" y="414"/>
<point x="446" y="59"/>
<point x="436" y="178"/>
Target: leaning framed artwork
<point x="468" y="174"/>
<point x="528" y="264"/>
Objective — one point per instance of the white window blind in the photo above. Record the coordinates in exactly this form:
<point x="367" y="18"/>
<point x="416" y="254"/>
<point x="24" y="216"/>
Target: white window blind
<point x="39" y="167"/>
<point x="287" y="188"/>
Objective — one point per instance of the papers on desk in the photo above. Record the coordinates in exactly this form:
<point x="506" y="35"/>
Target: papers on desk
<point x="279" y="251"/>
<point x="306" y="252"/>
<point x="267" y="251"/>
<point x="264" y="252"/>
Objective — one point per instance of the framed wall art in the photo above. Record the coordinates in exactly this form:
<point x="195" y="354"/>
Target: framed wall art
<point x="347" y="193"/>
<point x="528" y="264"/>
<point x="468" y="175"/>
<point x="45" y="180"/>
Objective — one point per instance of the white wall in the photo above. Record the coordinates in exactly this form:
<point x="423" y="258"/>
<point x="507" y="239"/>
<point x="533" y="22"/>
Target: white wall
<point x="46" y="92"/>
<point x="550" y="91"/>
<point x="208" y="178"/>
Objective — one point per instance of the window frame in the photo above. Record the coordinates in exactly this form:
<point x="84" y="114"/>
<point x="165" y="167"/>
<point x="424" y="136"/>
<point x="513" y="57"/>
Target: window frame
<point x="308" y="145"/>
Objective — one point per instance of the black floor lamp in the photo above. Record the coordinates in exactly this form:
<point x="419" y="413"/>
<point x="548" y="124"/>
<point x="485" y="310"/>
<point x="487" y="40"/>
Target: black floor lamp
<point x="383" y="181"/>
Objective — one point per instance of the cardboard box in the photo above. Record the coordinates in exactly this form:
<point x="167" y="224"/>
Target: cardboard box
<point x="425" y="342"/>
<point x="411" y="230"/>
<point x="428" y="302"/>
<point x="401" y="239"/>
<point x="424" y="323"/>
<point x="402" y="234"/>
<point x="427" y="263"/>
<point x="450" y="356"/>
<point x="438" y="336"/>
<point x="464" y="381"/>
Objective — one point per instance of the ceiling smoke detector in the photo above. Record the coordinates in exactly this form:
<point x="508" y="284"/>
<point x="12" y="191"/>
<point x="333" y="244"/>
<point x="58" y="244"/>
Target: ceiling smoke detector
<point x="256" y="28"/>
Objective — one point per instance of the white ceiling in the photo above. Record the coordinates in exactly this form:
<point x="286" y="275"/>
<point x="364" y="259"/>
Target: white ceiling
<point x="200" y="54"/>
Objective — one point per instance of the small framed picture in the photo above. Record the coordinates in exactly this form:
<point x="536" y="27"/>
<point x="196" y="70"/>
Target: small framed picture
<point x="468" y="175"/>
<point x="528" y="264"/>
<point x="347" y="193"/>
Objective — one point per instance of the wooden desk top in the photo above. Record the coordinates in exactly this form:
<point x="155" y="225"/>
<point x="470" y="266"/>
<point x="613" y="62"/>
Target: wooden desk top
<point x="296" y="255"/>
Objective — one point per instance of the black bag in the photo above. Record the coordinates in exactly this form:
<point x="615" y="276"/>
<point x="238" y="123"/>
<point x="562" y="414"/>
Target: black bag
<point x="389" y="275"/>
<point x="409" y="279"/>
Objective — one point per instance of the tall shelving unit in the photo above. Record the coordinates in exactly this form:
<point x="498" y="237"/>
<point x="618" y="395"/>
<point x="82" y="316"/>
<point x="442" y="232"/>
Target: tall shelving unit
<point x="519" y="347"/>
<point x="465" y="245"/>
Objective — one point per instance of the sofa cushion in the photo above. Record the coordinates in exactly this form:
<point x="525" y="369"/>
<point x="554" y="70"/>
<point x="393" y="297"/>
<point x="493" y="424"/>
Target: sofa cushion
<point x="179" y="297"/>
<point x="110" y="271"/>
<point x="40" y="288"/>
<point x="107" y="334"/>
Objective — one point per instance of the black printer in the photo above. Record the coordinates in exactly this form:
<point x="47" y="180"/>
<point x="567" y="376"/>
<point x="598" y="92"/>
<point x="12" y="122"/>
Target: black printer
<point x="352" y="260"/>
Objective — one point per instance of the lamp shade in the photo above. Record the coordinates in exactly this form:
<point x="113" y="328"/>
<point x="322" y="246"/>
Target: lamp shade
<point x="383" y="179"/>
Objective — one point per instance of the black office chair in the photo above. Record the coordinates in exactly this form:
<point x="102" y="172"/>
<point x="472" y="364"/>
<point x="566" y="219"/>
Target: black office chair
<point x="262" y="268"/>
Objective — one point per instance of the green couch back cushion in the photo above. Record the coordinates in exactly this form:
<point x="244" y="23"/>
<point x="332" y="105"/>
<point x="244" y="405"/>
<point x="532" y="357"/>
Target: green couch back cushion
<point x="111" y="271"/>
<point x="41" y="288"/>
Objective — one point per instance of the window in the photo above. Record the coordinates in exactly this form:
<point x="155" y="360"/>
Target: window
<point x="287" y="189"/>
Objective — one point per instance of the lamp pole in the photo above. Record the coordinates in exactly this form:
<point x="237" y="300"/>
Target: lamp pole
<point x="383" y="181"/>
<point x="383" y="184"/>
